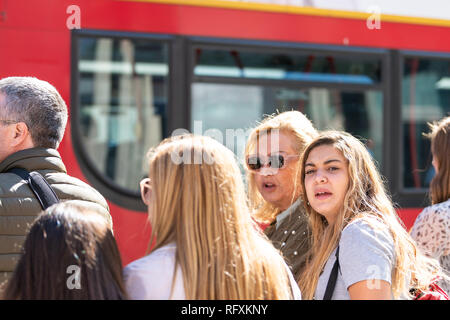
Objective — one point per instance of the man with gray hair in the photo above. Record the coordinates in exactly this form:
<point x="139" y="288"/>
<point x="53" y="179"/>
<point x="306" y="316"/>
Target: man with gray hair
<point x="33" y="118"/>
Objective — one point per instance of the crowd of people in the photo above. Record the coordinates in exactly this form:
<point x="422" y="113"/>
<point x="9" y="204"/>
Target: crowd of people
<point x="314" y="220"/>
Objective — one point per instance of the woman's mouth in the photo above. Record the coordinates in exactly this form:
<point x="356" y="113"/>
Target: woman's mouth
<point x="321" y="195"/>
<point x="269" y="186"/>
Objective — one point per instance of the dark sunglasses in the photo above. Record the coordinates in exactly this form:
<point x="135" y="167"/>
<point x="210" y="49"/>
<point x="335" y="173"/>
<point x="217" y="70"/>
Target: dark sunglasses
<point x="278" y="161"/>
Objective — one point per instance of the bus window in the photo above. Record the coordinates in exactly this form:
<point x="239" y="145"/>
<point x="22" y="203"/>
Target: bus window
<point x="425" y="98"/>
<point x="233" y="88"/>
<point x="322" y="67"/>
<point x="123" y="92"/>
<point x="224" y="110"/>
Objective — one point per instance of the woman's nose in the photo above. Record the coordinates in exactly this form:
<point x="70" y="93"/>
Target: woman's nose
<point x="266" y="170"/>
<point x="320" y="177"/>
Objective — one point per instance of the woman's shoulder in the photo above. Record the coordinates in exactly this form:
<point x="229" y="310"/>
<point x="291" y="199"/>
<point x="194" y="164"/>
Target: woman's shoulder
<point x="151" y="276"/>
<point x="161" y="256"/>
<point x="441" y="208"/>
<point x="366" y="243"/>
<point x="432" y="219"/>
<point x="365" y="223"/>
<point x="364" y="229"/>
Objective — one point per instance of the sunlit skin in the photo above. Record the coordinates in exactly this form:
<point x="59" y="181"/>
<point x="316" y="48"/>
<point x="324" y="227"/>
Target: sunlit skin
<point x="326" y="183"/>
<point x="13" y="136"/>
<point x="326" y="180"/>
<point x="4" y="152"/>
<point x="146" y="190"/>
<point x="4" y="137"/>
<point x="276" y="186"/>
<point x="435" y="164"/>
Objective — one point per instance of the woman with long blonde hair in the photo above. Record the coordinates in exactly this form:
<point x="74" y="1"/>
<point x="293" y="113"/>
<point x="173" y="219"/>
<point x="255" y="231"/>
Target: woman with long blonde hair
<point x="431" y="229"/>
<point x="205" y="245"/>
<point x="353" y="220"/>
<point x="272" y="156"/>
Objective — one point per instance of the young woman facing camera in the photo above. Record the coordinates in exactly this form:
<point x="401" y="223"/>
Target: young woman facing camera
<point x="350" y="213"/>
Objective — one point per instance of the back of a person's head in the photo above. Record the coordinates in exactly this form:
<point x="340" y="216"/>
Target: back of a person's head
<point x="440" y="148"/>
<point x="38" y="104"/>
<point x="69" y="253"/>
<point x="200" y="176"/>
<point x="198" y="201"/>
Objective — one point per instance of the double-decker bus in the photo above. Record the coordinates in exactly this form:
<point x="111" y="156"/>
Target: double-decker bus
<point x="133" y="72"/>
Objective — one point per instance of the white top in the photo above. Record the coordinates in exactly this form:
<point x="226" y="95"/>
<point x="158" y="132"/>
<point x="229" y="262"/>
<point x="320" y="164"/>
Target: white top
<point x="431" y="231"/>
<point x="150" y="278"/>
<point x="366" y="252"/>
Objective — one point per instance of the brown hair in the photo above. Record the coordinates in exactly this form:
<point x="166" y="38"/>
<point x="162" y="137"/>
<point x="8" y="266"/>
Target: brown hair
<point x="366" y="197"/>
<point x="64" y="238"/>
<point x="440" y="148"/>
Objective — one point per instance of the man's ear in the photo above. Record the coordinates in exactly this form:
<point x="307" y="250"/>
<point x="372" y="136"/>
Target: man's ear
<point x="21" y="134"/>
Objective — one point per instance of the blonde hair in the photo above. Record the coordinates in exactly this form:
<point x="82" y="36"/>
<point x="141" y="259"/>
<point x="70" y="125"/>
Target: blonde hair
<point x="198" y="201"/>
<point x="300" y="128"/>
<point x="365" y="197"/>
<point x="440" y="148"/>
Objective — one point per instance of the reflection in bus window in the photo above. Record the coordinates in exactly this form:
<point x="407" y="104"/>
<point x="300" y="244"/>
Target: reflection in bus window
<point x="425" y="98"/>
<point x="281" y="66"/>
<point x="123" y="96"/>
<point x="225" y="107"/>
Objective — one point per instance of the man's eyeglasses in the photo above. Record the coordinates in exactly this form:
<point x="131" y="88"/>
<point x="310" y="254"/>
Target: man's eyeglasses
<point x="8" y="121"/>
<point x="254" y="163"/>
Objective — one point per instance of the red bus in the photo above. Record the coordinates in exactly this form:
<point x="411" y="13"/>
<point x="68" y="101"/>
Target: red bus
<point x="132" y="72"/>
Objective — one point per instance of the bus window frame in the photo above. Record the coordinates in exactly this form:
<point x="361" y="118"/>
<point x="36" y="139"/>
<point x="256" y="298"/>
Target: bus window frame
<point x="113" y="192"/>
<point x="275" y="47"/>
<point x="407" y="196"/>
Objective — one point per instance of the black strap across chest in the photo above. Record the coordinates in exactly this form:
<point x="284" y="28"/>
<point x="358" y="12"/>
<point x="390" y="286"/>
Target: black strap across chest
<point x="40" y="187"/>
<point x="333" y="278"/>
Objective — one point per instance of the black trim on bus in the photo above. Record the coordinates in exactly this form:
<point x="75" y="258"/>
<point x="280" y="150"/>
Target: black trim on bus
<point x="407" y="197"/>
<point x="178" y="113"/>
<point x="281" y="47"/>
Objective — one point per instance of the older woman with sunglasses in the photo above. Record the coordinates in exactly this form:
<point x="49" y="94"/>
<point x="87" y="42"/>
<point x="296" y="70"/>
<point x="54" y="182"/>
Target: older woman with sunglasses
<point x="273" y="154"/>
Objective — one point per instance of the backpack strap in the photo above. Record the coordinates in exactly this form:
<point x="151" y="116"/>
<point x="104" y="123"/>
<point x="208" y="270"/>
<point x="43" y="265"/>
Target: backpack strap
<point x="40" y="187"/>
<point x="333" y="278"/>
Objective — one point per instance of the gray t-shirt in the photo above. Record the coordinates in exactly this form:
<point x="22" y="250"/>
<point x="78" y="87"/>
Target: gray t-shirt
<point x="366" y="252"/>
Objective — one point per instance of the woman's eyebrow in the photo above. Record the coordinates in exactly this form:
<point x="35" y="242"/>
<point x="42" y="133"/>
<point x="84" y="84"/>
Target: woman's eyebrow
<point x="277" y="152"/>
<point x="326" y="162"/>
<point x="332" y="160"/>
